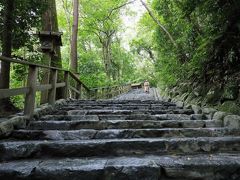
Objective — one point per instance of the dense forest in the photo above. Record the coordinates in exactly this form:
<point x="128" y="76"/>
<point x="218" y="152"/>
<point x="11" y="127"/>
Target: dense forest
<point x="190" y="49"/>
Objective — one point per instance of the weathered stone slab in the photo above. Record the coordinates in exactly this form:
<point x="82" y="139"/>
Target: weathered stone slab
<point x="232" y="121"/>
<point x="205" y="167"/>
<point x="196" y="109"/>
<point x="128" y="112"/>
<point x="121" y="124"/>
<point x="86" y="134"/>
<point x="123" y="139"/>
<point x="11" y="150"/>
<point x="209" y="112"/>
<point x="69" y="118"/>
<point x="6" y="127"/>
<point x="198" y="117"/>
<point x="219" y="117"/>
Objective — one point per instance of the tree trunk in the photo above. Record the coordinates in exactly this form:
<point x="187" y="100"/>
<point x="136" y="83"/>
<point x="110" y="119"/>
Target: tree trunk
<point x="106" y="58"/>
<point x="107" y="55"/>
<point x="56" y="60"/>
<point x="50" y="23"/>
<point x="5" y="104"/>
<point x="74" y="54"/>
<point x="181" y="54"/>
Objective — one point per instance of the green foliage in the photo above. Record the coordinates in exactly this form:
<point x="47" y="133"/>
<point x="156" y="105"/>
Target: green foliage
<point x="207" y="35"/>
<point x="230" y="107"/>
<point x="91" y="70"/>
<point x="98" y="42"/>
<point x="27" y="19"/>
<point x="27" y="14"/>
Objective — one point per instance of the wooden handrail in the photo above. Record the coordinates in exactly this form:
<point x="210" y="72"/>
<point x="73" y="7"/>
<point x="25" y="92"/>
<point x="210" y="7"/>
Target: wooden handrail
<point x="24" y="62"/>
<point x="33" y="87"/>
<point x="78" y="80"/>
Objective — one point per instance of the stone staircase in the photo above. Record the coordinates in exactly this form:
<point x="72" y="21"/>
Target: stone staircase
<point x="121" y="140"/>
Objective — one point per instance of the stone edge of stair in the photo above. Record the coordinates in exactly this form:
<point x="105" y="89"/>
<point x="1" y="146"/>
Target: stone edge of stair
<point x="19" y="121"/>
<point x="135" y="167"/>
<point x="125" y="147"/>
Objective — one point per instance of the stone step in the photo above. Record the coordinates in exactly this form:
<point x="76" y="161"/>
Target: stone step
<point x="125" y="107"/>
<point x="121" y="124"/>
<point x="116" y="117"/>
<point x="69" y="118"/>
<point x="134" y="106"/>
<point x="11" y="150"/>
<point x="127" y="112"/>
<point x="86" y="134"/>
<point x="202" y="167"/>
<point x="113" y="102"/>
<point x="139" y="104"/>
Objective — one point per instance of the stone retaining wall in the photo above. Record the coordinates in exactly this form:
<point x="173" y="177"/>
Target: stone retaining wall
<point x="183" y="99"/>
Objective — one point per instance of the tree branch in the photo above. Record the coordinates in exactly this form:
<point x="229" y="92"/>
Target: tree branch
<point x="118" y="7"/>
<point x="121" y="6"/>
<point x="158" y="23"/>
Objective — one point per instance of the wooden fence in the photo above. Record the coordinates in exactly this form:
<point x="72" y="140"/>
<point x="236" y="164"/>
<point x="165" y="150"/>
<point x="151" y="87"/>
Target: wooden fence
<point x="77" y="91"/>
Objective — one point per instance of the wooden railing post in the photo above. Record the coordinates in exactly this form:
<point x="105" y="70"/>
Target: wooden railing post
<point x="88" y="94"/>
<point x="79" y="88"/>
<point x="76" y="94"/>
<point x="100" y="93"/>
<point x="96" y="94"/>
<point x="116" y="91"/>
<point x="108" y="92"/>
<point x="66" y="88"/>
<point x="53" y="82"/>
<point x="29" y="104"/>
<point x="81" y="91"/>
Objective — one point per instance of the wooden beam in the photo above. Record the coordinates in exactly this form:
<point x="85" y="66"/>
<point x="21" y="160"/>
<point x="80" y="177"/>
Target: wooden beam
<point x="5" y="93"/>
<point x="23" y="62"/>
<point x="26" y="63"/>
<point x="79" y="88"/>
<point x="78" y="80"/>
<point x="74" y="89"/>
<point x="59" y="85"/>
<point x="43" y="87"/>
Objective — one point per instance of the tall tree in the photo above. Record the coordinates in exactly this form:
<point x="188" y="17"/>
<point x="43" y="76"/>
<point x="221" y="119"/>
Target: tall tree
<point x="17" y="19"/>
<point x="50" y="23"/>
<point x="5" y="104"/>
<point x="74" y="39"/>
<point x="102" y="19"/>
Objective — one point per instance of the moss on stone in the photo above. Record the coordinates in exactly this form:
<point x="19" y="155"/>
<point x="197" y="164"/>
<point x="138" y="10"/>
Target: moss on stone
<point x="213" y="96"/>
<point x="230" y="91"/>
<point x="230" y="107"/>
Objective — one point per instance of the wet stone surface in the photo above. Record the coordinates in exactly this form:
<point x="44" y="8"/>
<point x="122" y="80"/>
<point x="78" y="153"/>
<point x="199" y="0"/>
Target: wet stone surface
<point x="134" y="136"/>
<point x="216" y="167"/>
<point x="137" y="94"/>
